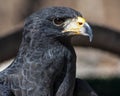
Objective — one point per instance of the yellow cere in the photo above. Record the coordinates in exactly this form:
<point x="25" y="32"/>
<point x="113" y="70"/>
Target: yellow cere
<point x="80" y="21"/>
<point x="74" y="25"/>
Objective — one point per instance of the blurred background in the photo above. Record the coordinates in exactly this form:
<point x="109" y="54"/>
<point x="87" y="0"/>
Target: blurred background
<point x="98" y="62"/>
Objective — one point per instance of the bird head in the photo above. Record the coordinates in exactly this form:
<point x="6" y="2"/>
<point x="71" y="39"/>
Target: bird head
<point x="59" y="21"/>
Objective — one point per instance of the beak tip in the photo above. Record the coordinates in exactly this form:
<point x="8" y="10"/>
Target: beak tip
<point x="88" y="31"/>
<point x="91" y="38"/>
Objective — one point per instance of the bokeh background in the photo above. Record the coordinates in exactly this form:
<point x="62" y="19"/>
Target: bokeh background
<point x="101" y="68"/>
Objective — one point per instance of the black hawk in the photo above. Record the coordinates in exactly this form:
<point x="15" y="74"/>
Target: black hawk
<point x="46" y="62"/>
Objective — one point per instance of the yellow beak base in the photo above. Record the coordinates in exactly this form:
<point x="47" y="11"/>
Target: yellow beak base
<point x="77" y="26"/>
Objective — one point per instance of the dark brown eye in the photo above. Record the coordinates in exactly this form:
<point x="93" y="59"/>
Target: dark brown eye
<point x="58" y="21"/>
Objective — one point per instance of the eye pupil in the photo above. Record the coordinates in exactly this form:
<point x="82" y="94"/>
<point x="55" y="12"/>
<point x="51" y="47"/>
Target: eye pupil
<point x="58" y="21"/>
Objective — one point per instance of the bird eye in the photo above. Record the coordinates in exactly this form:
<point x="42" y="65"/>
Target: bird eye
<point x="58" y="21"/>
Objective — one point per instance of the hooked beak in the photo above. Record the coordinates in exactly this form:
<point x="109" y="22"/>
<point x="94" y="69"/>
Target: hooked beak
<point x="78" y="26"/>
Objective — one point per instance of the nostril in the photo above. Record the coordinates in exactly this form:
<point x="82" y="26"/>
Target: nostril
<point x="80" y="23"/>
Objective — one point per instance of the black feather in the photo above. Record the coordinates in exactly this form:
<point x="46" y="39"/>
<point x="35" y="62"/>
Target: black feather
<point x="46" y="61"/>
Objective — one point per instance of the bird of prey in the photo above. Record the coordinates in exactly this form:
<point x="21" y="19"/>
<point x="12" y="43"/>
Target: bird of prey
<point x="46" y="62"/>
